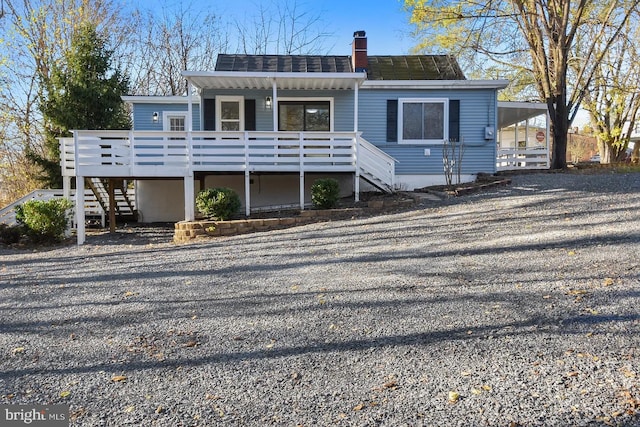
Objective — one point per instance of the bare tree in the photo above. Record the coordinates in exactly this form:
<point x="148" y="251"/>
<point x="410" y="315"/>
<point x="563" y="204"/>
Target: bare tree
<point x="176" y="39"/>
<point x="285" y="28"/>
<point x="532" y="36"/>
<point x="613" y="99"/>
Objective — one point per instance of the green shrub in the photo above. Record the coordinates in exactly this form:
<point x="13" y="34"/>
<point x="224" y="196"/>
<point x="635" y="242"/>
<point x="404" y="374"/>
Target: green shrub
<point x="218" y="203"/>
<point x="44" y="221"/>
<point x="325" y="193"/>
<point x="10" y="234"/>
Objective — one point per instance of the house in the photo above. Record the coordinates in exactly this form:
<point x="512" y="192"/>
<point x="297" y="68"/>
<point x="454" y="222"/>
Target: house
<point x="269" y="125"/>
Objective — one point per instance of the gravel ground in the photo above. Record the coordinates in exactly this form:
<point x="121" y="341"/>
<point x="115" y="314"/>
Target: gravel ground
<point x="518" y="306"/>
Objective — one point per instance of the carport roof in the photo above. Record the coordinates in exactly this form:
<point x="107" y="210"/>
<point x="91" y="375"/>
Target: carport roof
<point x="510" y="112"/>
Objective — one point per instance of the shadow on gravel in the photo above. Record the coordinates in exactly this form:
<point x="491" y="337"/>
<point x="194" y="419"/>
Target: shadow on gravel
<point x="537" y="325"/>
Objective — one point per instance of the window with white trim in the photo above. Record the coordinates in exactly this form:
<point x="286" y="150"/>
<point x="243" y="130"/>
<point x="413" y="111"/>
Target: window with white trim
<point x="174" y="121"/>
<point x="423" y="120"/>
<point x="230" y="113"/>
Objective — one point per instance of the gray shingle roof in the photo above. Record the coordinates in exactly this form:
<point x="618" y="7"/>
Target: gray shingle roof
<point x="397" y="67"/>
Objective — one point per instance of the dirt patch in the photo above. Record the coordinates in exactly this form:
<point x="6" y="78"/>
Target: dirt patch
<point x="482" y="182"/>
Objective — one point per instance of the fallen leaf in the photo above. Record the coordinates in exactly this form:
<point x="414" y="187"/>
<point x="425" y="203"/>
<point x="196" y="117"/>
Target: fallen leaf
<point x="359" y="407"/>
<point x="571" y="253"/>
<point x="129" y="294"/>
<point x="572" y="374"/>
<point x="191" y="343"/>
<point x="465" y="373"/>
<point x="608" y="281"/>
<point x="118" y="378"/>
<point x="18" y="350"/>
<point x="454" y="396"/>
<point x="130" y="409"/>
<point x="65" y="393"/>
<point x="476" y="391"/>
<point x="391" y="384"/>
<point x="628" y="373"/>
<point x="546" y="296"/>
<point x="486" y="388"/>
<point x="159" y="410"/>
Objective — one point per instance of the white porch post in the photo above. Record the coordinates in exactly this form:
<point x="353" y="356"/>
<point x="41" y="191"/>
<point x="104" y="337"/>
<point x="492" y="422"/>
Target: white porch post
<point x="301" y="160"/>
<point x="189" y="184"/>
<point x="80" y="231"/>
<point x="274" y="104"/>
<point x="66" y="187"/>
<point x="356" y="140"/>
<point x="189" y="199"/>
<point x="189" y="108"/>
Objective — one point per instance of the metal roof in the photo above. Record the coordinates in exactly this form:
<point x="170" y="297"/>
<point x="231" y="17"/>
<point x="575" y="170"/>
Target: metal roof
<point x="510" y="113"/>
<point x="414" y="67"/>
<point x="284" y="63"/>
<point x="322" y="72"/>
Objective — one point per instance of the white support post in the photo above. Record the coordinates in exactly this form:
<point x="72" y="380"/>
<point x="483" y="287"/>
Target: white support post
<point x="66" y="187"/>
<point x="189" y="199"/>
<point x="247" y="192"/>
<point x="189" y="108"/>
<point x="274" y="104"/>
<point x="80" y="231"/>
<point x="356" y="179"/>
<point x="301" y="160"/>
<point x="301" y="190"/>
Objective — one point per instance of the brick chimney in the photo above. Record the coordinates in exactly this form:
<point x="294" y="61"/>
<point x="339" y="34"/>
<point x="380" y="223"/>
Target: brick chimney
<point x="359" y="59"/>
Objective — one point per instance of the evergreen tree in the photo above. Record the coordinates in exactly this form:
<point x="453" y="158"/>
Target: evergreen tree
<point x="82" y="92"/>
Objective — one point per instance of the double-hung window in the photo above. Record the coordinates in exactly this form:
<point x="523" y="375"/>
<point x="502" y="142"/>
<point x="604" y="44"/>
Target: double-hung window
<point x="423" y="120"/>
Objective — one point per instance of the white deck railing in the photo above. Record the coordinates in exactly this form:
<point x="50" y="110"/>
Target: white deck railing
<point x="515" y="158"/>
<point x="91" y="205"/>
<point x="179" y="154"/>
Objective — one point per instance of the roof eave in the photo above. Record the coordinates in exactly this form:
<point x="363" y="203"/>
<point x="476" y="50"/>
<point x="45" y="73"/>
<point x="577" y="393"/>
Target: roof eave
<point x="151" y="99"/>
<point x="435" y="84"/>
<point x="264" y="80"/>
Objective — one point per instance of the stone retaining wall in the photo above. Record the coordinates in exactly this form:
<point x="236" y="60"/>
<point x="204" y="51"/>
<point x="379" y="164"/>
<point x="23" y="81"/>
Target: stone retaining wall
<point x="186" y="231"/>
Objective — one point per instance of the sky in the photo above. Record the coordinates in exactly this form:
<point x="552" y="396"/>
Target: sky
<point x="385" y="22"/>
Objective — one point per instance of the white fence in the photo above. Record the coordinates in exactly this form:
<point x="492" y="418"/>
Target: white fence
<point x="513" y="158"/>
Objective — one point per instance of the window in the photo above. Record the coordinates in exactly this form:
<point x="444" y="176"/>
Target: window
<point x="176" y="124"/>
<point x="423" y="120"/>
<point x="310" y="115"/>
<point x="174" y="121"/>
<point x="231" y="117"/>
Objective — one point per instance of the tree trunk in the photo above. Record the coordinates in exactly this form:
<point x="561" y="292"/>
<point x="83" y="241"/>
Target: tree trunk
<point x="559" y="128"/>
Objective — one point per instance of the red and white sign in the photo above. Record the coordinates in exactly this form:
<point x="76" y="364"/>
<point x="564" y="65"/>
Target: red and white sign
<point x="540" y="136"/>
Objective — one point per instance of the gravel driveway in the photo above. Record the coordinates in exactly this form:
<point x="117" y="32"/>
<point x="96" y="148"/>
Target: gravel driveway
<point x="518" y="306"/>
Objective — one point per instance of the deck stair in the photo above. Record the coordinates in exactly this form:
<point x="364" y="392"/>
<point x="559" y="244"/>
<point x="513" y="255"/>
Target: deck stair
<point x="124" y="205"/>
<point x="376" y="166"/>
<point x="93" y="209"/>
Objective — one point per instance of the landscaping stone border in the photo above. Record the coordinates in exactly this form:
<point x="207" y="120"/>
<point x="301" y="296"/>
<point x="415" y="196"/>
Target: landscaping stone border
<point x="187" y="231"/>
